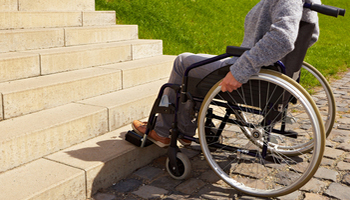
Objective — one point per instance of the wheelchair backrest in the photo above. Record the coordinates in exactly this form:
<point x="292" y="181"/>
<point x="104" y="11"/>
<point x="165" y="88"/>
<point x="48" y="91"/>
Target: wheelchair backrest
<point x="294" y="60"/>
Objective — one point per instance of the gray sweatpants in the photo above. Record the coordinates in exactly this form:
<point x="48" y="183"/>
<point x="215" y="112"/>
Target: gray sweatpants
<point x="186" y="124"/>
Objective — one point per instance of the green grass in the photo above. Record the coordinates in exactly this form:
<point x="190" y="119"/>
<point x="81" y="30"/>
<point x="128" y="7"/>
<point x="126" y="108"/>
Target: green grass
<point x="207" y="26"/>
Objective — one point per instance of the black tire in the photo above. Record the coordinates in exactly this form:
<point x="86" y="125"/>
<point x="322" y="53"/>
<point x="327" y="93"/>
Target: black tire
<point x="323" y="96"/>
<point x="183" y="164"/>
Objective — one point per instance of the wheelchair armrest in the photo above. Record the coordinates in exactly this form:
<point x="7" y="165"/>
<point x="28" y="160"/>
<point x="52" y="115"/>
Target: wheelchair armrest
<point x="236" y="51"/>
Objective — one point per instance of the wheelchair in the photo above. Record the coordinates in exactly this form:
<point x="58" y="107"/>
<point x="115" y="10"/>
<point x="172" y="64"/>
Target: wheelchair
<point x="264" y="139"/>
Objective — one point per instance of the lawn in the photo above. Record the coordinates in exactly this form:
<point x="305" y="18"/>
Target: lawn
<point x="207" y="26"/>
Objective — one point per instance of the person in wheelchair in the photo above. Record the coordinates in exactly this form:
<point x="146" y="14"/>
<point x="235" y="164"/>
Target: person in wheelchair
<point x="271" y="29"/>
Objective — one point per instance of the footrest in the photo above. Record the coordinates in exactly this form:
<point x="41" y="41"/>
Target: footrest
<point x="136" y="139"/>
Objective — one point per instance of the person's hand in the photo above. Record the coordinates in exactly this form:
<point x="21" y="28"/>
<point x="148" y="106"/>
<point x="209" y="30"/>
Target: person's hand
<point x="229" y="83"/>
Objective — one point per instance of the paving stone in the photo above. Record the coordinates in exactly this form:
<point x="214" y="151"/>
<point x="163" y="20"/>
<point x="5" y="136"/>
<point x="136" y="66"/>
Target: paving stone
<point x="343" y="166"/>
<point x="327" y="174"/>
<point x="127" y="185"/>
<point x="311" y="196"/>
<point x="177" y="197"/>
<point x="338" y="134"/>
<point x="346" y="179"/>
<point x="150" y="192"/>
<point x="245" y="197"/>
<point x="216" y="192"/>
<point x="127" y="196"/>
<point x="342" y="105"/>
<point x="166" y="182"/>
<point x="340" y="92"/>
<point x="347" y="158"/>
<point x="200" y="163"/>
<point x="159" y="162"/>
<point x="223" y="184"/>
<point x="342" y="138"/>
<point x="103" y="196"/>
<point x="327" y="162"/>
<point x="346" y="97"/>
<point x="344" y="86"/>
<point x="344" y="147"/>
<point x="148" y="172"/>
<point x="338" y="96"/>
<point x="314" y="185"/>
<point x="344" y="127"/>
<point x="292" y="196"/>
<point x="190" y="186"/>
<point x="189" y="152"/>
<point x="347" y="139"/>
<point x="321" y="102"/>
<point x="329" y="144"/>
<point x="196" y="147"/>
<point x="346" y="115"/>
<point x="332" y="153"/>
<point x="343" y="109"/>
<point x="210" y="176"/>
<point x="305" y="127"/>
<point x="338" y="140"/>
<point x="338" y="191"/>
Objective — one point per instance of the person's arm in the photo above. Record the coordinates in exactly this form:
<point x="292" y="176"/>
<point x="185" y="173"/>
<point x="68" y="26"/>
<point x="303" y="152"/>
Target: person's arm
<point x="274" y="45"/>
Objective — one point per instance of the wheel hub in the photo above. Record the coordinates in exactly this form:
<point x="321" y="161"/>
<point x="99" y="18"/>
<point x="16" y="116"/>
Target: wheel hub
<point x="257" y="133"/>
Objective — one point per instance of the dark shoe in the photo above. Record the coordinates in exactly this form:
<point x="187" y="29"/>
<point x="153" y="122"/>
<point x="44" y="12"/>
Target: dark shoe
<point x="141" y="127"/>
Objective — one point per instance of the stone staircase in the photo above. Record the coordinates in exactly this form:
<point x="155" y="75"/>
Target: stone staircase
<point x="71" y="81"/>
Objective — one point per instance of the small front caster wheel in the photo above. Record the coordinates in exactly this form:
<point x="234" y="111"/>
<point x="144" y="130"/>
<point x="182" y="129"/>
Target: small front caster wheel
<point x="183" y="167"/>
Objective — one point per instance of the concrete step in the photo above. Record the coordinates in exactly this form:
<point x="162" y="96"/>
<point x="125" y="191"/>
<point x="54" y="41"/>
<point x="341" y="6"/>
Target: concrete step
<point x="26" y="39"/>
<point x="145" y="70"/>
<point x="30" y="95"/>
<point x="42" y="38"/>
<point x="98" y="18"/>
<point x="43" y="179"/>
<point x="34" y="94"/>
<point x="124" y="106"/>
<point x="100" y="34"/>
<point x="17" y="65"/>
<point x="53" y="19"/>
<point x="79" y="171"/>
<point x="9" y="5"/>
<point x="54" y="5"/>
<point x="32" y="136"/>
<point x="18" y="20"/>
<point x="107" y="159"/>
<point x="79" y="57"/>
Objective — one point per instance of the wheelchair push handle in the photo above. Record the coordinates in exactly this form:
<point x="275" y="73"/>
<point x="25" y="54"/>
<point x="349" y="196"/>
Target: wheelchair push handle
<point x="325" y="9"/>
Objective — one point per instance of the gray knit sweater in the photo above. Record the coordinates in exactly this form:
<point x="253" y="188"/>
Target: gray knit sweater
<point x="271" y="29"/>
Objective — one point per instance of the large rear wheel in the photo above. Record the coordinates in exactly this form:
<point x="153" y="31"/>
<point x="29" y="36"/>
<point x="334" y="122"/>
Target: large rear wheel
<point x="255" y="138"/>
<point x="323" y="95"/>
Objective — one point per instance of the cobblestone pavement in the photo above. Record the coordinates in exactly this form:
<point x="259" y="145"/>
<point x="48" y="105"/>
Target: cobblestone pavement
<point x="332" y="180"/>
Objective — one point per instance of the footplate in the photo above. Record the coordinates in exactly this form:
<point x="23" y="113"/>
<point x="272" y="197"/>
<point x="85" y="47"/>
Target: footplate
<point x="136" y="139"/>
